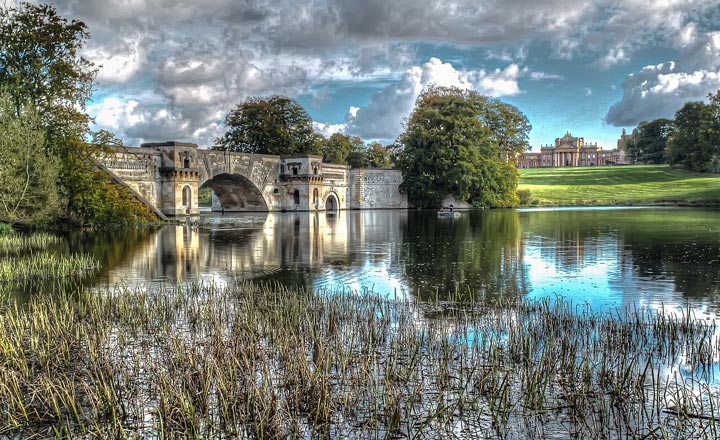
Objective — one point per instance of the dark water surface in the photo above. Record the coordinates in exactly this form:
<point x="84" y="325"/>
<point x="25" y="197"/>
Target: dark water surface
<point x="654" y="257"/>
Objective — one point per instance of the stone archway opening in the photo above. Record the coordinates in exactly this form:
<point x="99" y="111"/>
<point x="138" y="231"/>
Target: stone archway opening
<point x="331" y="204"/>
<point x="236" y="192"/>
<point x="186" y="198"/>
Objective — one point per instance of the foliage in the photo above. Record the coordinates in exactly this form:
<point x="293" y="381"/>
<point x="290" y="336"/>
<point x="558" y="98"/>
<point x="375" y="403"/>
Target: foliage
<point x="40" y="63"/>
<point x="509" y="127"/>
<point x="339" y="146"/>
<point x="449" y="147"/>
<point x="378" y="156"/>
<point x="525" y="196"/>
<point x="28" y="175"/>
<point x="6" y="229"/>
<point x="695" y="143"/>
<point x="648" y="141"/>
<point x="276" y="125"/>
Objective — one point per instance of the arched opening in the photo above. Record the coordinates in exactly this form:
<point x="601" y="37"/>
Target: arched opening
<point x="316" y="203"/>
<point x="296" y="197"/>
<point x="331" y="204"/>
<point x="236" y="193"/>
<point x="186" y="196"/>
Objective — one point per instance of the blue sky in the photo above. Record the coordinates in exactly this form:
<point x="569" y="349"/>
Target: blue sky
<point x="172" y="70"/>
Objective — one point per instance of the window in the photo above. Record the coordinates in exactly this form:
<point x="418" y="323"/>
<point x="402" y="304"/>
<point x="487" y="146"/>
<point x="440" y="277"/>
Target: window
<point x="296" y="197"/>
<point x="295" y="171"/>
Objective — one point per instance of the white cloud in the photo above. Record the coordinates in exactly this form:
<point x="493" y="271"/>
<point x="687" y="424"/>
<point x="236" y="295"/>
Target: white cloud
<point x="328" y="130"/>
<point x="119" y="64"/>
<point x="383" y="117"/>
<point x="659" y="91"/>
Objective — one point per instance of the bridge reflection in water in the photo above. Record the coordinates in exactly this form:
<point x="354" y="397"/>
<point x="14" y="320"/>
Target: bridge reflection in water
<point x="286" y="247"/>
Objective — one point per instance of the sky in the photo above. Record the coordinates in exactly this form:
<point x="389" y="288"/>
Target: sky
<point x="172" y="70"/>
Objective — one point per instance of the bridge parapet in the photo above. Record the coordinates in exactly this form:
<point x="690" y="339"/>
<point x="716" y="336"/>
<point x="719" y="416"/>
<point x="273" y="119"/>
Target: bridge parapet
<point x="169" y="175"/>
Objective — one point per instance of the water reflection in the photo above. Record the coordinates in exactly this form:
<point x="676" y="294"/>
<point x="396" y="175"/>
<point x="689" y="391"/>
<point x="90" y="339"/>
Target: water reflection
<point x="601" y="257"/>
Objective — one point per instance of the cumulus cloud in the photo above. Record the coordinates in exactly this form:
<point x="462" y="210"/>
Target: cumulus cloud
<point x="196" y="59"/>
<point x="383" y="117"/>
<point x="658" y="91"/>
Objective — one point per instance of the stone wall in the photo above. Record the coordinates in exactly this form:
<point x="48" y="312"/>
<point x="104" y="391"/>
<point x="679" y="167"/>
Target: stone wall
<point x="376" y="189"/>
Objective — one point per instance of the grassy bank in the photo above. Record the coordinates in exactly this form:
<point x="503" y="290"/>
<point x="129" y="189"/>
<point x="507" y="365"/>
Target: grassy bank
<point x="620" y="185"/>
<point x="247" y="361"/>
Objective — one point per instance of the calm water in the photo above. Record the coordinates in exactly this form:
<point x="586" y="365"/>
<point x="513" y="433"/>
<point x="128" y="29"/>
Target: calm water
<point x="605" y="257"/>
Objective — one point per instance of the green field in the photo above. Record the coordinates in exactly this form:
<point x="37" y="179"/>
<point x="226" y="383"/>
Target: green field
<point x="619" y="185"/>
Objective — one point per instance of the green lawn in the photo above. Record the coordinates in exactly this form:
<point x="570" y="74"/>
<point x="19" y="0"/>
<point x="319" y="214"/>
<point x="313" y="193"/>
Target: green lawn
<point x="619" y="185"/>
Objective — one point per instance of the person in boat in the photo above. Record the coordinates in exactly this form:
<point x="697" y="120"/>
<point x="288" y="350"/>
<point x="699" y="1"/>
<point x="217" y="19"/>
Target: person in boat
<point x="451" y="207"/>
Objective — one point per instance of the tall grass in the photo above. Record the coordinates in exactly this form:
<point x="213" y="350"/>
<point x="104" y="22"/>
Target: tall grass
<point x="17" y="243"/>
<point x="251" y="361"/>
<point x="44" y="265"/>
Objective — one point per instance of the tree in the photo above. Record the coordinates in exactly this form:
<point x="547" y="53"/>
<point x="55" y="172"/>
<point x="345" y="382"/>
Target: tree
<point x="694" y="142"/>
<point x="509" y="127"/>
<point x="449" y="147"/>
<point x="40" y="62"/>
<point x="338" y="148"/>
<point x="378" y="156"/>
<point x="42" y="69"/>
<point x="648" y="141"/>
<point x="276" y="125"/>
<point x="28" y="175"/>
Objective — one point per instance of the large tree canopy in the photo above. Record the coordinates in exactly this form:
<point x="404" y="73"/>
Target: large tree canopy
<point x="457" y="142"/>
<point x="274" y="125"/>
<point x="40" y="62"/>
<point x="695" y="142"/>
<point x="648" y="141"/>
<point x="42" y="71"/>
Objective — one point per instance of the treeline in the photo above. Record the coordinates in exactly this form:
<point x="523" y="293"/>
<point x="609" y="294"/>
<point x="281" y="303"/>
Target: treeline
<point x="48" y="173"/>
<point x="691" y="140"/>
<point x="278" y="125"/>
<point x="456" y="143"/>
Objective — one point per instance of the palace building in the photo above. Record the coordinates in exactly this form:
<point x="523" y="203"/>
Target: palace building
<point x="570" y="151"/>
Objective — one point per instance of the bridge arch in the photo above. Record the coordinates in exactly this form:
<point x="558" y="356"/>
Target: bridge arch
<point x="332" y="202"/>
<point x="236" y="192"/>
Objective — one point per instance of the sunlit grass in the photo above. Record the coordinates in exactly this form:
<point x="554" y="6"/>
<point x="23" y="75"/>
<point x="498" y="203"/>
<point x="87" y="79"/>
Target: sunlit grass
<point x="620" y="185"/>
<point x="17" y="243"/>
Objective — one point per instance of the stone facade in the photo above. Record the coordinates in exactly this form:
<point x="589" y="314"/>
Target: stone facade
<point x="376" y="189"/>
<point x="169" y="175"/>
<point x="570" y="151"/>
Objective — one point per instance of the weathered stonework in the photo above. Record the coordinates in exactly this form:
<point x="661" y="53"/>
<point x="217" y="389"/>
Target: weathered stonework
<point x="376" y="189"/>
<point x="169" y="174"/>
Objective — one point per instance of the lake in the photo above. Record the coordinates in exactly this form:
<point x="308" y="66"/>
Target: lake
<point x="600" y="256"/>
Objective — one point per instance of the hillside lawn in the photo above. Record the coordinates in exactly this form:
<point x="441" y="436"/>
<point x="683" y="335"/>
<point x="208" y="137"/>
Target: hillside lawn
<point x="619" y="185"/>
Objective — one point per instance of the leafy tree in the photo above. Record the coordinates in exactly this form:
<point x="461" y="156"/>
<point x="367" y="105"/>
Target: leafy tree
<point x="449" y="148"/>
<point x="28" y="175"/>
<point x="337" y="149"/>
<point x="276" y="125"/>
<point x="648" y="141"/>
<point x="378" y="156"/>
<point x="40" y="64"/>
<point x="694" y="142"/>
<point x="509" y="127"/>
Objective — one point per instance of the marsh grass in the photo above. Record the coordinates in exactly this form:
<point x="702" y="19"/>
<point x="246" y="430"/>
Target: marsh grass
<point x="265" y="361"/>
<point x="44" y="265"/>
<point x="15" y="244"/>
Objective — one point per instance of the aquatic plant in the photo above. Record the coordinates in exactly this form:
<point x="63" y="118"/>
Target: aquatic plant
<point x="265" y="361"/>
<point x="45" y="265"/>
<point x="17" y="243"/>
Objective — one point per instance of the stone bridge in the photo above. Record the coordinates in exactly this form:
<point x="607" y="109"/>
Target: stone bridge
<point x="168" y="176"/>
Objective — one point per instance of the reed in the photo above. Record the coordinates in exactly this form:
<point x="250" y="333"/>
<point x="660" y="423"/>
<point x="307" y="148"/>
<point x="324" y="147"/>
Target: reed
<point x="264" y="361"/>
<point x="45" y="265"/>
<point x="17" y="243"/>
